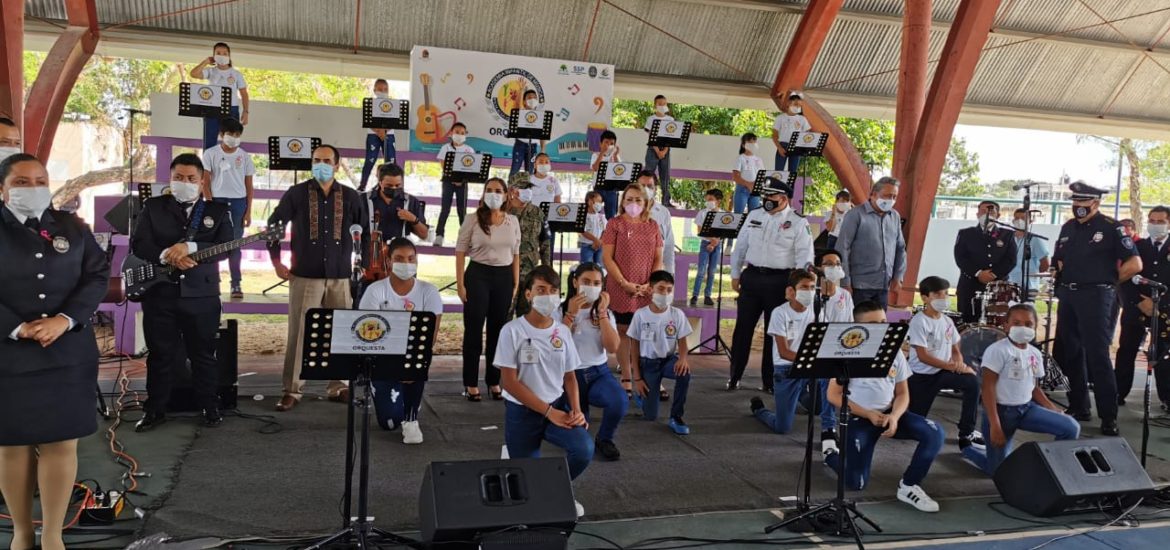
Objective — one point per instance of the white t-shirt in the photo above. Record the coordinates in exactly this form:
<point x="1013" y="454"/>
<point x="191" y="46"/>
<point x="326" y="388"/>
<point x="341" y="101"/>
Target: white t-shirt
<point x="448" y="148"/>
<point x="595" y="223"/>
<point x="1017" y="368"/>
<point x="790" y="324"/>
<point x="231" y="78"/>
<point x="700" y="216"/>
<point x="587" y="336"/>
<point x="605" y="158"/>
<point x="836" y="216"/>
<point x="228" y="171"/>
<point x="877" y="394"/>
<point x="542" y="357"/>
<point x="785" y="124"/>
<point x="650" y="121"/>
<point x="938" y="336"/>
<point x="545" y="189"/>
<point x="422" y="297"/>
<point x="658" y="333"/>
<point x="748" y="166"/>
<point x="839" y="307"/>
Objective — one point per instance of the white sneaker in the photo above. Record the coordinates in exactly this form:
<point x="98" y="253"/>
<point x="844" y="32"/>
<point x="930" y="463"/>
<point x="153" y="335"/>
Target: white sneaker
<point x="411" y="434"/>
<point x="439" y="240"/>
<point x="916" y="497"/>
<point x="580" y="509"/>
<point x="828" y="446"/>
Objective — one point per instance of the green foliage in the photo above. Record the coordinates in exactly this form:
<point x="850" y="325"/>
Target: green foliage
<point x="305" y="89"/>
<point x="960" y="175"/>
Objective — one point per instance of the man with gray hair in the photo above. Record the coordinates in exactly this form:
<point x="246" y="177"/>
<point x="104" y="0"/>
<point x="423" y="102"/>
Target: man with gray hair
<point x="873" y="251"/>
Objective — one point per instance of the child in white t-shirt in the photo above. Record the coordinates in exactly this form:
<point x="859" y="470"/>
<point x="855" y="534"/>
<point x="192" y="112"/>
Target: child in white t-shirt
<point x="227" y="175"/>
<point x="661" y="331"/>
<point x="1011" y="399"/>
<point x="218" y="70"/>
<point x="747" y="166"/>
<point x="452" y="189"/>
<point x="609" y="152"/>
<point x="788" y="122"/>
<point x="658" y="158"/>
<point x="379" y="141"/>
<point x="937" y="361"/>
<point x="710" y="249"/>
<point x="834" y="217"/>
<point x="595" y="222"/>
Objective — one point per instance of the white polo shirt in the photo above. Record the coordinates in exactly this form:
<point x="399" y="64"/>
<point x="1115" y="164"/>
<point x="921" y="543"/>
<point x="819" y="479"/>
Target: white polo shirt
<point x="937" y="336"/>
<point x="228" y="171"/>
<point x="541" y="357"/>
<point x="1017" y="368"/>
<point x="658" y="333"/>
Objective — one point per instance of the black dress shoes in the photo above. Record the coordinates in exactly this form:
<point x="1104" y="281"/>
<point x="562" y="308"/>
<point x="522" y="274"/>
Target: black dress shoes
<point x="1109" y="428"/>
<point x="150" y="421"/>
<point x="1081" y="416"/>
<point x="212" y="417"/>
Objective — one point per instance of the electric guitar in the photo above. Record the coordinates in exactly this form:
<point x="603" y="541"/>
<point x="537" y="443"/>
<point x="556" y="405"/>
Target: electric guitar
<point x="139" y="276"/>
<point x="428" y="129"/>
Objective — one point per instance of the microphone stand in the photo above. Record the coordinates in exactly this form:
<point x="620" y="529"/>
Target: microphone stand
<point x="1151" y="358"/>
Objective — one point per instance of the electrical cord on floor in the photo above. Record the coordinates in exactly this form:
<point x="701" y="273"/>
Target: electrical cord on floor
<point x="1092" y="530"/>
<point x="268" y="422"/>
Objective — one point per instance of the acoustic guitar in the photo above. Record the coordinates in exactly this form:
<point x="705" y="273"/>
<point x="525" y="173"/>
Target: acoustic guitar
<point x="428" y="129"/>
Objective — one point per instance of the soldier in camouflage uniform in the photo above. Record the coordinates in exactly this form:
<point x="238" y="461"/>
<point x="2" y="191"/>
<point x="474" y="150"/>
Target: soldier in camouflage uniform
<point x="531" y="226"/>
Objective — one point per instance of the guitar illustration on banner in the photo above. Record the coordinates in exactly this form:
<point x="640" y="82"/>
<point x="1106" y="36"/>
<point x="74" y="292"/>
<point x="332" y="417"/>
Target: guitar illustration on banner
<point x="429" y="129"/>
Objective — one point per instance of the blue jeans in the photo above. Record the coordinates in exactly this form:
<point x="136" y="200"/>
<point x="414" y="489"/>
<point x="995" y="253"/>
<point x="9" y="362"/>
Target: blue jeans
<point x="524" y="429"/>
<point x="709" y="264"/>
<point x="879" y="295"/>
<point x="786" y="392"/>
<point x="211" y="128"/>
<point x="1029" y="417"/>
<point x="610" y="198"/>
<point x="662" y="166"/>
<point x="589" y="255"/>
<point x="375" y="145"/>
<point x="743" y="200"/>
<point x="792" y="163"/>
<point x="863" y="437"/>
<point x="653" y="371"/>
<point x="522" y="155"/>
<point x="598" y="387"/>
<point x="237" y="208"/>
<point x="396" y="402"/>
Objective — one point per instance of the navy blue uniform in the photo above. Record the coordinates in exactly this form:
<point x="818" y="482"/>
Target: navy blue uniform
<point x="975" y="251"/>
<point x="1156" y="266"/>
<point x="1089" y="254"/>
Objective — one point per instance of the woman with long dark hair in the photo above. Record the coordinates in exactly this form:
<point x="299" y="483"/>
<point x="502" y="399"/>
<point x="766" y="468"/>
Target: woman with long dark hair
<point x="747" y="165"/>
<point x="491" y="240"/>
<point x="218" y="70"/>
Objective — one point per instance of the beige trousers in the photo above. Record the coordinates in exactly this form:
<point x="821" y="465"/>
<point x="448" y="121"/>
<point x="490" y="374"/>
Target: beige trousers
<point x="303" y="295"/>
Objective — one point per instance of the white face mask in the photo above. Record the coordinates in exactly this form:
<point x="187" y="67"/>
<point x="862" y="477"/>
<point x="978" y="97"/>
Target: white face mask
<point x="939" y="304"/>
<point x="29" y="201"/>
<point x="834" y="273"/>
<point x="711" y="205"/>
<point x="796" y="110"/>
<point x="662" y="301"/>
<point x="6" y="152"/>
<point x="547" y="304"/>
<point x="660" y="109"/>
<point x="805" y="297"/>
<point x="885" y="205"/>
<point x="458" y="139"/>
<point x="525" y="195"/>
<point x="591" y="293"/>
<point x="231" y="141"/>
<point x="531" y="103"/>
<point x="843" y="206"/>
<point x="184" y="191"/>
<point x="609" y="149"/>
<point x="1158" y="230"/>
<point x="598" y="207"/>
<point x="751" y="146"/>
<point x="1020" y="224"/>
<point x="404" y="271"/>
<point x="545" y="169"/>
<point x="382" y="95"/>
<point x="222" y="60"/>
<point x="493" y="200"/>
<point x="1021" y="335"/>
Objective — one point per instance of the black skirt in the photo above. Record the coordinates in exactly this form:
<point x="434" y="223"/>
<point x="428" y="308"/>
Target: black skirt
<point x="48" y="406"/>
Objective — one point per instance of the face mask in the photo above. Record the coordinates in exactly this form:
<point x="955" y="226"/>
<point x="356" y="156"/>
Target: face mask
<point x="805" y="297"/>
<point x="1082" y="211"/>
<point x="222" y="60"/>
<point x="609" y="149"/>
<point x="322" y="172"/>
<point x="458" y="139"/>
<point x="797" y="110"/>
<point x="545" y="169"/>
<point x="1158" y="231"/>
<point x="591" y="293"/>
<point x="493" y="200"/>
<point x="834" y="273"/>
<point x="771" y="205"/>
<point x="843" y="207"/>
<point x="662" y="301"/>
<point x="1021" y="335"/>
<point x="885" y="205"/>
<point x="752" y="147"/>
<point x="382" y="95"/>
<point x="633" y="209"/>
<point x="403" y="270"/>
<point x="1020" y="224"/>
<point x="525" y="195"/>
<point x="660" y="109"/>
<point x="939" y="304"/>
<point x="547" y="304"/>
<point x="392" y="192"/>
<point x="184" y="191"/>
<point x="6" y="152"/>
<point x="231" y="141"/>
<point x="531" y="103"/>
<point x="598" y="207"/>
<point x="711" y="205"/>
<point x="29" y="201"/>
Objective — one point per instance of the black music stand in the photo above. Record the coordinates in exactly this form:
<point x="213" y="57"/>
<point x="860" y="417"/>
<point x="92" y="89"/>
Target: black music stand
<point x="204" y="100"/>
<point x="291" y="153"/>
<point x="529" y="124"/>
<point x="670" y="133"/>
<point x="842" y="351"/>
<point x="615" y="176"/>
<point x="385" y="114"/>
<point x="789" y="179"/>
<point x="718" y="225"/>
<point x="564" y="217"/>
<point x="805" y="144"/>
<point x="466" y="167"/>
<point x="362" y="346"/>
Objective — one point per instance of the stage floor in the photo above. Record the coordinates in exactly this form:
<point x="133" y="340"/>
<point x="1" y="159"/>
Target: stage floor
<point x="723" y="481"/>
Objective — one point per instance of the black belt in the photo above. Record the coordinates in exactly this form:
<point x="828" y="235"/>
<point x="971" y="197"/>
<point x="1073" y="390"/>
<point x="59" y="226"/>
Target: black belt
<point x="769" y="270"/>
<point x="1086" y="286"/>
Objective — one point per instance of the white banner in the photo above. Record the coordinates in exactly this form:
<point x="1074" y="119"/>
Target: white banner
<point x="481" y="89"/>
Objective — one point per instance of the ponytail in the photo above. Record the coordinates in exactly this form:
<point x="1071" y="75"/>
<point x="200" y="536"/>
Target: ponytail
<point x="744" y="139"/>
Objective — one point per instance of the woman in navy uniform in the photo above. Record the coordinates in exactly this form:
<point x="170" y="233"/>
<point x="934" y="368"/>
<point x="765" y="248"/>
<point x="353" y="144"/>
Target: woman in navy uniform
<point x="1088" y="254"/>
<point x="55" y="275"/>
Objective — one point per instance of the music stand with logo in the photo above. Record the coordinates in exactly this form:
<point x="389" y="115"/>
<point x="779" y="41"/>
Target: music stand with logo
<point x="718" y="225"/>
<point x="615" y="176"/>
<point x="806" y="144"/>
<point x="385" y="113"/>
<point x="841" y="351"/>
<point x="529" y="124"/>
<point x="204" y="100"/>
<point x="361" y="346"/>
<point x="669" y="133"/>
<point x="789" y="179"/>
<point x="291" y="153"/>
<point x="466" y="167"/>
<point x="564" y="217"/>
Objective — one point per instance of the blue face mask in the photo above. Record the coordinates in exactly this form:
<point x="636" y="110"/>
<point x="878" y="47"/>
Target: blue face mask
<point x="322" y="172"/>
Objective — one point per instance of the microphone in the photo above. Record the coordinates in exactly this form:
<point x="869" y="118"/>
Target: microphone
<point x="355" y="231"/>
<point x="1019" y="186"/>
<point x="1139" y="280"/>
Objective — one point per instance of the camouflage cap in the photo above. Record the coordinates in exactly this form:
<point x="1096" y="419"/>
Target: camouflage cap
<point x="520" y="180"/>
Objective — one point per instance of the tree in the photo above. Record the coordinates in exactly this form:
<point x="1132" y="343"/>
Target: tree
<point x="960" y="175"/>
<point x="1141" y="158"/>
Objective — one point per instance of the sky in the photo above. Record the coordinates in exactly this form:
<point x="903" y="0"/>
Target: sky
<point x="1007" y="153"/>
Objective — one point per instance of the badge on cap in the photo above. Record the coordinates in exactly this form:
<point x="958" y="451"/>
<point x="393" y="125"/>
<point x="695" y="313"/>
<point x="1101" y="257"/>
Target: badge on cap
<point x="61" y="244"/>
<point x="208" y="222"/>
<point x="1098" y="237"/>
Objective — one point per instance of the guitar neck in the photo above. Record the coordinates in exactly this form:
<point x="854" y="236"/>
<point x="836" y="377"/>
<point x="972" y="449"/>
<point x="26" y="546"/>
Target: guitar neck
<point x="426" y="96"/>
<point x="203" y="254"/>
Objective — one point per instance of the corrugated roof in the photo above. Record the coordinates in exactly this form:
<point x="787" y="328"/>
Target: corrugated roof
<point x="1045" y="55"/>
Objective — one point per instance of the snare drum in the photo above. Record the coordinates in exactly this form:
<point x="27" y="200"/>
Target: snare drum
<point x="975" y="339"/>
<point x="1001" y="296"/>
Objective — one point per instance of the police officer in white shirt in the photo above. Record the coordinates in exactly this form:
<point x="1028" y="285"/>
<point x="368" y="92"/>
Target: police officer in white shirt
<point x="661" y="215"/>
<point x="773" y="240"/>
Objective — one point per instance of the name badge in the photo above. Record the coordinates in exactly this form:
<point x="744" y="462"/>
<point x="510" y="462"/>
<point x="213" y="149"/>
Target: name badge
<point x="647" y="332"/>
<point x="529" y="355"/>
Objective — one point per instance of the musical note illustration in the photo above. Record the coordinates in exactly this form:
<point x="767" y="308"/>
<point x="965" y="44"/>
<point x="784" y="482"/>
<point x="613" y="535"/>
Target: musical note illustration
<point x="445" y="77"/>
<point x="599" y="102"/>
<point x="564" y="114"/>
<point x="574" y="89"/>
<point x="460" y="104"/>
<point x="470" y="78"/>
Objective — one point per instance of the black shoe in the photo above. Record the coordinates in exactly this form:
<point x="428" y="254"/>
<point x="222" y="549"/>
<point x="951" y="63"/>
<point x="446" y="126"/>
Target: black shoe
<point x="829" y="435"/>
<point x="708" y="301"/>
<point x="150" y="421"/>
<point x="608" y="450"/>
<point x="765" y="390"/>
<point x="1081" y="416"/>
<point x="694" y="301"/>
<point x="757" y="405"/>
<point x="1109" y="428"/>
<point x="1166" y="407"/>
<point x="733" y="385"/>
<point x="212" y="417"/>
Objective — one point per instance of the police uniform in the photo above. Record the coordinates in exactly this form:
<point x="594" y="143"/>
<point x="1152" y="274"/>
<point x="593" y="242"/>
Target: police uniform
<point x="53" y="268"/>
<point x="771" y="245"/>
<point x="1088" y="254"/>
<point x="1156" y="266"/>
<point x="977" y="249"/>
<point x="180" y="321"/>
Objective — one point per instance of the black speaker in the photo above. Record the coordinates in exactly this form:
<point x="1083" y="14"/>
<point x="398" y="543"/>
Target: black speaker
<point x="474" y="503"/>
<point x="121" y="215"/>
<point x="183" y="397"/>
<point x="1055" y="477"/>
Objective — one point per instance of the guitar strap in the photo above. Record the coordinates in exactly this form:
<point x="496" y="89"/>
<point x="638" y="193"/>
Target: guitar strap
<point x="193" y="222"/>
